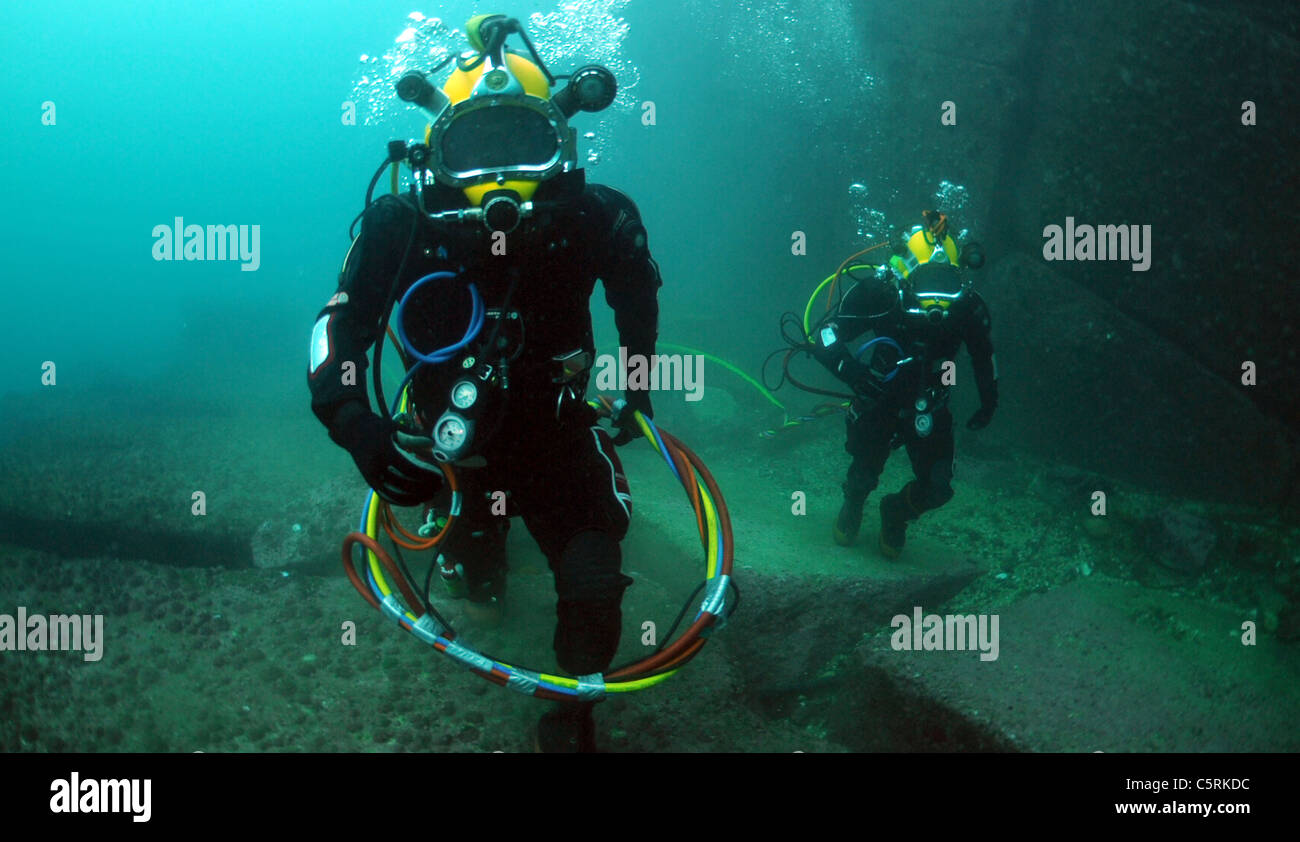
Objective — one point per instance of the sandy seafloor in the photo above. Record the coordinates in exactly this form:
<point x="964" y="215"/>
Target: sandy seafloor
<point x="1109" y="639"/>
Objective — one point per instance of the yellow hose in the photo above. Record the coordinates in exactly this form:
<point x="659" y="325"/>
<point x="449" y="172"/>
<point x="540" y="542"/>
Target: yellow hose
<point x="807" y="311"/>
<point x="376" y="570"/>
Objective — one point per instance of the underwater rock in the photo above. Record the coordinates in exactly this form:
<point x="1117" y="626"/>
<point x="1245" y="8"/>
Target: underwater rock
<point x="1110" y="421"/>
<point x="1287" y="578"/>
<point x="820" y="616"/>
<point x="1251" y="546"/>
<point x="277" y="544"/>
<point x="1288" y="624"/>
<point x="1182" y="541"/>
<point x="1103" y="645"/>
<point x="1096" y="527"/>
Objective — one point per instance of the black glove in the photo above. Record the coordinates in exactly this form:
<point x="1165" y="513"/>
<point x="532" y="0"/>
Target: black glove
<point x="628" y="429"/>
<point x="981" y="418"/>
<point x="394" y="462"/>
<point x="626" y="433"/>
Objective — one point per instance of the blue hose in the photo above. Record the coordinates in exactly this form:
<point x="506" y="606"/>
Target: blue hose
<point x="857" y="355"/>
<point x="478" y="315"/>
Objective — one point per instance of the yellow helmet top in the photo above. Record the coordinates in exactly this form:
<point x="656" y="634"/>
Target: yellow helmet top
<point x="461" y="83"/>
<point x="924" y="247"/>
<point x="496" y="130"/>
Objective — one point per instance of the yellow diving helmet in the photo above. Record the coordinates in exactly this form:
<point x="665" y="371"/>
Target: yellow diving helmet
<point x="496" y="131"/>
<point x="926" y="243"/>
<point x="928" y="280"/>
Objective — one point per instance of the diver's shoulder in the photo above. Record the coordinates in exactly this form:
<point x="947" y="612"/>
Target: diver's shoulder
<point x="977" y="302"/>
<point x="611" y="198"/>
<point x="387" y="211"/>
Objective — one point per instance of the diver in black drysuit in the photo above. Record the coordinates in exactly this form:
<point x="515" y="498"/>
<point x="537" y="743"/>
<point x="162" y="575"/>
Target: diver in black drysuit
<point x="884" y="412"/>
<point x="559" y="469"/>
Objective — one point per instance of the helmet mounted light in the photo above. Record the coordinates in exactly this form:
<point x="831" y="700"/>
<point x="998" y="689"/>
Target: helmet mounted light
<point x="415" y="88"/>
<point x="591" y="88"/>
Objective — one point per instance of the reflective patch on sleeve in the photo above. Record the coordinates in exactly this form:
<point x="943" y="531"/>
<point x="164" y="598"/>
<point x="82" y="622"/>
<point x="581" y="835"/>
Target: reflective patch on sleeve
<point x="320" y="343"/>
<point x="994" y="357"/>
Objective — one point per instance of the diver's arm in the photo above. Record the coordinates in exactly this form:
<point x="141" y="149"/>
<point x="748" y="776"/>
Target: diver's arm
<point x="348" y="324"/>
<point x="830" y="346"/>
<point x="632" y="282"/>
<point x="979" y="343"/>
<point x="388" y="458"/>
<point x="837" y="341"/>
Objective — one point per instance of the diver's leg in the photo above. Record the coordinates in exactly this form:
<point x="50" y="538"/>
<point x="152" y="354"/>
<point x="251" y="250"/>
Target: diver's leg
<point x="930" y="488"/>
<point x="589" y="584"/>
<point x="578" y="515"/>
<point x="932" y="465"/>
<point x="867" y="441"/>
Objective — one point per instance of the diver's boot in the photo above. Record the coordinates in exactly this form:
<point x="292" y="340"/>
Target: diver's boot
<point x="569" y="728"/>
<point x="849" y="520"/>
<point x="895" y="512"/>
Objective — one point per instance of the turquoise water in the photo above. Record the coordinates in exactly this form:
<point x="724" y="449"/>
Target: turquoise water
<point x="786" y="136"/>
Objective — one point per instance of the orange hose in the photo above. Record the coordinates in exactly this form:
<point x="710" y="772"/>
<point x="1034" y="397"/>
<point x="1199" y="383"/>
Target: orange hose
<point x="685" y="647"/>
<point x="406" y="540"/>
<point x="693" y="492"/>
<point x="390" y="522"/>
<point x="830" y="294"/>
<point x="690" y="469"/>
<point x="351" y="569"/>
<point x="412" y="601"/>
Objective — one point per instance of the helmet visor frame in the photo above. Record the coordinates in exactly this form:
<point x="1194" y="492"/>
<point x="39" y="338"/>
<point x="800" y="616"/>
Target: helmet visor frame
<point x="934" y="287"/>
<point x="497" y="136"/>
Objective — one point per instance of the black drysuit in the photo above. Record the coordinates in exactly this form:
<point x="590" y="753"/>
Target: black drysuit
<point x="544" y="450"/>
<point x="883" y="413"/>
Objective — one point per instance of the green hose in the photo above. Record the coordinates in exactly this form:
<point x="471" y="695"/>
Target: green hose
<point x="807" y="311"/>
<point x="729" y="367"/>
